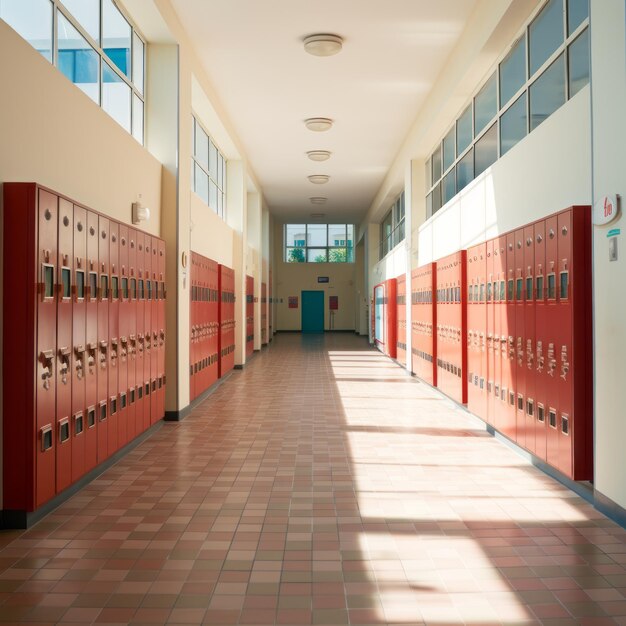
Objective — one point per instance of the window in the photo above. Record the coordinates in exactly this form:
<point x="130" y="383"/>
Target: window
<point x="319" y="243"/>
<point x="392" y="227"/>
<point x="539" y="72"/>
<point x="104" y="57"/>
<point x="208" y="170"/>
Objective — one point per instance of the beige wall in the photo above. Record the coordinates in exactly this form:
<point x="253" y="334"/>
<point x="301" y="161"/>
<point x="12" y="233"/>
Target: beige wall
<point x="293" y="278"/>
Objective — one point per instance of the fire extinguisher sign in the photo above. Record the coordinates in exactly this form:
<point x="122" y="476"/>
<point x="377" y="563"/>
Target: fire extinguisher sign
<point x="605" y="210"/>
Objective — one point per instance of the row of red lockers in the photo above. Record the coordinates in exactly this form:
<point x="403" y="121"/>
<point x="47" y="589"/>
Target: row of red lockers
<point x="212" y="311"/>
<point x="249" y="315"/>
<point x="506" y="328"/>
<point x="84" y="341"/>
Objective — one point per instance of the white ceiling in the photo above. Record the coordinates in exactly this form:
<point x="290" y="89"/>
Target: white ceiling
<point x="253" y="54"/>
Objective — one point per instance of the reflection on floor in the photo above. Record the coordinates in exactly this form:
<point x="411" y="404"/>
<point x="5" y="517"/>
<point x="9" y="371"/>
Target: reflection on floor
<point x="309" y="490"/>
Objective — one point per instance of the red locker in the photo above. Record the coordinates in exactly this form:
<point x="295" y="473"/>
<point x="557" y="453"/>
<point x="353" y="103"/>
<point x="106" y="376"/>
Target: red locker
<point x="114" y="336"/>
<point x="477" y="330"/>
<point x="132" y="422"/>
<point x="572" y="338"/>
<point x="91" y="344"/>
<point x="103" y="340"/>
<point x="226" y="285"/>
<point x="401" y="319"/>
<point x="423" y="323"/>
<point x="161" y="329"/>
<point x="499" y="334"/>
<point x="79" y="350"/>
<point x="193" y="366"/>
<point x="124" y="334"/>
<point x="509" y="426"/>
<point x="520" y="343"/>
<point x="140" y="406"/>
<point x="528" y="270"/>
<point x="147" y="329"/>
<point x="541" y="340"/>
<point x="65" y="269"/>
<point x="452" y="326"/>
<point x="264" y="314"/>
<point x="492" y="340"/>
<point x="385" y="317"/>
<point x="154" y="317"/>
<point x="249" y="315"/>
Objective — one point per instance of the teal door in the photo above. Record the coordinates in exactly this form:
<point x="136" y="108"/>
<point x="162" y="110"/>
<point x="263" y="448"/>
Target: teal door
<point x="312" y="311"/>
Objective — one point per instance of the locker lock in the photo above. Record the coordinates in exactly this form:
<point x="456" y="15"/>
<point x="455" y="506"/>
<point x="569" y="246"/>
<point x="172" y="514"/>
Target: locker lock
<point x="520" y="352"/>
<point x="140" y="341"/>
<point x="113" y="354"/>
<point x="124" y="350"/>
<point x="540" y="359"/>
<point x="46" y="357"/>
<point x="104" y="346"/>
<point x="91" y="358"/>
<point x="529" y="354"/>
<point x="564" y="363"/>
<point x="162" y="334"/>
<point x="133" y="346"/>
<point x="80" y="354"/>
<point x="64" y="359"/>
<point x="551" y="359"/>
<point x="155" y="339"/>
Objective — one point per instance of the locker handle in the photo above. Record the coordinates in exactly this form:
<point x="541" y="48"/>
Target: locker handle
<point x="91" y="346"/>
<point x="103" y="344"/>
<point x="64" y="351"/>
<point x="80" y="352"/>
<point x="79" y="349"/>
<point x="564" y="363"/>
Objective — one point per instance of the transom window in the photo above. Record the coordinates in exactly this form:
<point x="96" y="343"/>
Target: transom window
<point x="94" y="44"/>
<point x="319" y="243"/>
<point x="543" y="69"/>
<point x="208" y="170"/>
<point x="392" y="230"/>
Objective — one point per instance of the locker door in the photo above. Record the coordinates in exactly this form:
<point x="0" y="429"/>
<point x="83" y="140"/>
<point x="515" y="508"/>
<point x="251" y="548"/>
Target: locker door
<point x="474" y="329"/>
<point x="192" y="328"/>
<point x="552" y="320"/>
<point x="154" y="357"/>
<point x="215" y="326"/>
<point x="508" y="330"/>
<point x="520" y="355"/>
<point x="401" y="320"/>
<point x="391" y="293"/>
<point x="65" y="270"/>
<point x="114" y="337"/>
<point x="161" y="329"/>
<point x="104" y="343"/>
<point x="541" y="339"/>
<point x="141" y="340"/>
<point x="430" y="301"/>
<point x="133" y="430"/>
<point x="530" y="405"/>
<point x="79" y="349"/>
<point x="47" y="440"/>
<point x="500" y="338"/>
<point x="147" y="366"/>
<point x="491" y="291"/>
<point x="124" y="332"/>
<point x="91" y="344"/>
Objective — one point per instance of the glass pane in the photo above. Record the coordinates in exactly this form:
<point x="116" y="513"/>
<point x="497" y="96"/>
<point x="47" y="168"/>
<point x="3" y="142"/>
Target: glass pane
<point x="436" y="198"/>
<point x="464" y="130"/>
<point x="448" y="149"/>
<point x="201" y="185"/>
<point x="317" y="235"/>
<point x="486" y="150"/>
<point x="316" y="255"/>
<point x="213" y="161"/>
<point x="436" y="162"/>
<point x="547" y="93"/>
<point x="429" y="174"/>
<point x="337" y="235"/>
<point x="465" y="170"/>
<point x="545" y="34"/>
<point x="87" y="14"/>
<point x="77" y="60"/>
<point x="295" y="235"/>
<point x="578" y="61"/>
<point x="513" y="125"/>
<point x="202" y="147"/>
<point x="513" y="72"/>
<point x="115" y="96"/>
<point x="294" y="255"/>
<point x="212" y="195"/>
<point x="449" y="186"/>
<point x="577" y="13"/>
<point x="138" y="63"/>
<point x="32" y="19"/>
<point x="116" y="35"/>
<point x="350" y="255"/>
<point x="350" y="242"/>
<point x="337" y="255"/>
<point x="220" y="165"/>
<point x="137" y="119"/>
<point x="485" y="104"/>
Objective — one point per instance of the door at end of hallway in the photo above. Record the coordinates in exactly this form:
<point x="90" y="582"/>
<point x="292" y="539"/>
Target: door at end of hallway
<point x="312" y="311"/>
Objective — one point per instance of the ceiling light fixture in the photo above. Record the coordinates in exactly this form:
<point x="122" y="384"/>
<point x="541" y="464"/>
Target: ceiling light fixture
<point x="319" y="179"/>
<point x="318" y="200"/>
<point x="318" y="155"/>
<point x="318" y="124"/>
<point x="323" y="45"/>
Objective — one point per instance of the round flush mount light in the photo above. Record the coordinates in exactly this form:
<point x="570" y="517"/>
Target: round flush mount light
<point x="318" y="155"/>
<point x="319" y="179"/>
<point x="323" y="44"/>
<point x="318" y="124"/>
<point x="318" y="200"/>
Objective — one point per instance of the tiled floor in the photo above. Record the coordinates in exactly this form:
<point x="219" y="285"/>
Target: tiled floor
<point x="321" y="485"/>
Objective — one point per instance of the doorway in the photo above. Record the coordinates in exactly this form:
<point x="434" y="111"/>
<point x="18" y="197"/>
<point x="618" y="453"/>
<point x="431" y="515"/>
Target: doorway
<point x="312" y="311"/>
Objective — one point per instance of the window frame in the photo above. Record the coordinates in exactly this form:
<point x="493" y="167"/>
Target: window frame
<point x="348" y="247"/>
<point x="397" y="233"/>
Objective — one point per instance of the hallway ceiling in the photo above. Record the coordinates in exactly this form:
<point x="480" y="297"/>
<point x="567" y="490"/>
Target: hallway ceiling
<point x="253" y="54"/>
